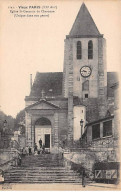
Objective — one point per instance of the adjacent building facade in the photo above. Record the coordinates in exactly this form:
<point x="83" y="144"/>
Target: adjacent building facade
<point x="58" y="101"/>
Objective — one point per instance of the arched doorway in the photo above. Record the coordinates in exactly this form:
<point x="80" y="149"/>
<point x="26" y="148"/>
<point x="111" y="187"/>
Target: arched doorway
<point x="43" y="132"/>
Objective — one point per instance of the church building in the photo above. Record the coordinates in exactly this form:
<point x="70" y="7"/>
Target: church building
<point x="60" y="104"/>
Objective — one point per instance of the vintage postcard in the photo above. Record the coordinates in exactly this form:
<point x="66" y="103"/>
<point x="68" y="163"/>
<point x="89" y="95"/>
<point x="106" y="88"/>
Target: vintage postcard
<point x="59" y="99"/>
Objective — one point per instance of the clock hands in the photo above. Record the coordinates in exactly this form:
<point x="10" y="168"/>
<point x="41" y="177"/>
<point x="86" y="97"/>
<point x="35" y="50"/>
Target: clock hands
<point x="84" y="71"/>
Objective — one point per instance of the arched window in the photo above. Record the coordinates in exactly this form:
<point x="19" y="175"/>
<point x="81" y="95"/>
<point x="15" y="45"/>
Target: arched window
<point x="90" y="50"/>
<point x="79" y="50"/>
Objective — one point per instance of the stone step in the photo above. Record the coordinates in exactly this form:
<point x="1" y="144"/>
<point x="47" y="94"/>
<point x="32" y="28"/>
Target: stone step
<point x="40" y="159"/>
<point x="42" y="165"/>
<point x="46" y="182"/>
<point x="42" y="169"/>
<point x="36" y="168"/>
<point x="40" y="173"/>
<point x="42" y="156"/>
<point x="43" y="162"/>
<point x="42" y="176"/>
<point x="42" y="181"/>
<point x="46" y="174"/>
<point x="39" y="170"/>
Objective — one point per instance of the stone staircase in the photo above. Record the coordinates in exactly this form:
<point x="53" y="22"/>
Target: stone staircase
<point x="44" y="168"/>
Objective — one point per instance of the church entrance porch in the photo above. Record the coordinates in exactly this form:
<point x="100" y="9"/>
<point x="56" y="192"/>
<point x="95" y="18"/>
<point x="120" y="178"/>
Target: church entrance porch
<point x="45" y="121"/>
<point x="43" y="133"/>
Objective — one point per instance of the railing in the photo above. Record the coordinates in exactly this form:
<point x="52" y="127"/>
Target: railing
<point x="79" y="168"/>
<point x="7" y="165"/>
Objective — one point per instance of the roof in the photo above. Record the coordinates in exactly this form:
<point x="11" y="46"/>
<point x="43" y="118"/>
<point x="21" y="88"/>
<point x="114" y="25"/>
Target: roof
<point x="100" y="120"/>
<point x="84" y="24"/>
<point x="112" y="78"/>
<point x="50" y="83"/>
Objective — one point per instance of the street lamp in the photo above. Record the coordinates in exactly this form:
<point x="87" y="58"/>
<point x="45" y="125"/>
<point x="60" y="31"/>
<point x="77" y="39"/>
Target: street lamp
<point x="4" y="124"/>
<point x="81" y="124"/>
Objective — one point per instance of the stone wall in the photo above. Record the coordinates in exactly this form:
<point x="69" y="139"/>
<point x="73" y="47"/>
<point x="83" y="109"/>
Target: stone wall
<point x="8" y="158"/>
<point x="92" y="112"/>
<point x="102" y="71"/>
<point x="84" y="158"/>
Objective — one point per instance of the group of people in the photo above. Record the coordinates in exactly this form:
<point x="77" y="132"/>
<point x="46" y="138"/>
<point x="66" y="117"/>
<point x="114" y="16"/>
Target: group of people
<point x="39" y="150"/>
<point x="36" y="150"/>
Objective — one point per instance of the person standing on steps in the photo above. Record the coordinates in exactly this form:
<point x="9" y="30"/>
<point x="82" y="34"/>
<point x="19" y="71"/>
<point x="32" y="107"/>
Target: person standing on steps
<point x="19" y="160"/>
<point x="30" y="151"/>
<point x="27" y="150"/>
<point x="35" y="147"/>
<point x="83" y="178"/>
<point x="40" y="143"/>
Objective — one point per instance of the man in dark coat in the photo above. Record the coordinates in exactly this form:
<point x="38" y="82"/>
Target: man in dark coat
<point x="83" y="178"/>
<point x="40" y="143"/>
<point x="30" y="151"/>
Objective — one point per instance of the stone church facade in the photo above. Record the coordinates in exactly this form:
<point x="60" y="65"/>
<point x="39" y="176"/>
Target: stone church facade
<point x="58" y="101"/>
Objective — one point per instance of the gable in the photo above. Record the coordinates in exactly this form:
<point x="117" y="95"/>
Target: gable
<point x="43" y="105"/>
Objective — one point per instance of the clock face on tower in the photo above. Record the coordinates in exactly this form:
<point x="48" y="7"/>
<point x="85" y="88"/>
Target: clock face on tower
<point x="85" y="71"/>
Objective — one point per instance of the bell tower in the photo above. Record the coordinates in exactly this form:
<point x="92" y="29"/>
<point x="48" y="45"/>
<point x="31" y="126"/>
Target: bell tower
<point x="85" y="74"/>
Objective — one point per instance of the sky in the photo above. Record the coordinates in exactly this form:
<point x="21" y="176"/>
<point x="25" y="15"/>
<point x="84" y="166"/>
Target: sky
<point x="29" y="45"/>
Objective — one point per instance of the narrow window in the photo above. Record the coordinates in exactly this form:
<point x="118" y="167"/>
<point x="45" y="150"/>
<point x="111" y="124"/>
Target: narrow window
<point x="79" y="50"/>
<point x="95" y="131"/>
<point x="90" y="50"/>
<point x="86" y="95"/>
<point x="85" y="85"/>
<point x="107" y="128"/>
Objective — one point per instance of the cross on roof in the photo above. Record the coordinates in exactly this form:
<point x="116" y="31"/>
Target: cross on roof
<point x="42" y="92"/>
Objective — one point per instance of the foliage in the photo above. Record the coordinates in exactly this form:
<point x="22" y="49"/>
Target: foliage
<point x="20" y="119"/>
<point x="10" y="121"/>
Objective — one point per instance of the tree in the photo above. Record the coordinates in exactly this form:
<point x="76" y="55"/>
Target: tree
<point x="10" y="121"/>
<point x="20" y="119"/>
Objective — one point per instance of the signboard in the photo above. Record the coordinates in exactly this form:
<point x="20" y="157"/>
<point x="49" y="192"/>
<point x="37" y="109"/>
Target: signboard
<point x="106" y="174"/>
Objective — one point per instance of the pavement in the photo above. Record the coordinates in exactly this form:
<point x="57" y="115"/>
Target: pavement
<point x="61" y="187"/>
<point x="104" y="186"/>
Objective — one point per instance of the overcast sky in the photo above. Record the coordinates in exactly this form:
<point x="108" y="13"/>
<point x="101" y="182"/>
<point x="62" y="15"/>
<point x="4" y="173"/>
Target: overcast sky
<point x="28" y="45"/>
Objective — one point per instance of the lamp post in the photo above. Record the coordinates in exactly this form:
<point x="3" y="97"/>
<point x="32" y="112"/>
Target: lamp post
<point x="4" y="125"/>
<point x="4" y="133"/>
<point x="81" y="124"/>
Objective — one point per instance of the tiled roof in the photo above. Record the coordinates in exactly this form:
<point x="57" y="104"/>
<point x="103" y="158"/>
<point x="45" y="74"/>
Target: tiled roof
<point x="84" y="24"/>
<point x="51" y="83"/>
<point x="112" y="78"/>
